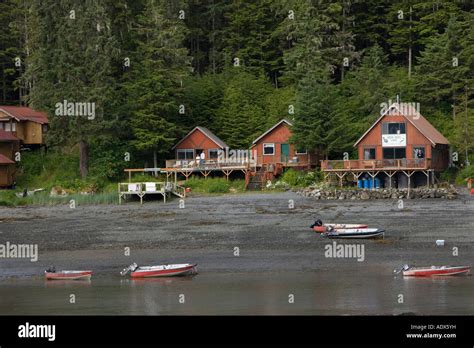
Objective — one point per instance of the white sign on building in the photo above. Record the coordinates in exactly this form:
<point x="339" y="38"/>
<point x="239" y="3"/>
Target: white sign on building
<point x="394" y="140"/>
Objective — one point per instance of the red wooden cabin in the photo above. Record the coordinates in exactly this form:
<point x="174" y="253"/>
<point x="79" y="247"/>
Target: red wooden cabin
<point x="274" y="148"/>
<point x="401" y="142"/>
<point x="198" y="140"/>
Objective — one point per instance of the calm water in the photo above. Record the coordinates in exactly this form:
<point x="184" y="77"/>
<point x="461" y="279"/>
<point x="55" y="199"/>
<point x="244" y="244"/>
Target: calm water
<point x="241" y="293"/>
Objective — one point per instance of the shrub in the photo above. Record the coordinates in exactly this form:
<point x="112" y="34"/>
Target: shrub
<point x="466" y="173"/>
<point x="301" y="178"/>
<point x="218" y="186"/>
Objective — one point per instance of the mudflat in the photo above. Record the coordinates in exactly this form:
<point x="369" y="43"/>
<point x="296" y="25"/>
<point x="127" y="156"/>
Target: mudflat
<point x="252" y="232"/>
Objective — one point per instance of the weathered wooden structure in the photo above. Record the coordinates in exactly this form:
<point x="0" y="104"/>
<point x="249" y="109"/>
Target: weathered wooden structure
<point x="141" y="189"/>
<point x="401" y="148"/>
<point x="28" y="125"/>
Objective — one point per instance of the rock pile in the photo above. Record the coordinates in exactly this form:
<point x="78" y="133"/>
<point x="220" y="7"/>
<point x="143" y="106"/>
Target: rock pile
<point x="358" y="194"/>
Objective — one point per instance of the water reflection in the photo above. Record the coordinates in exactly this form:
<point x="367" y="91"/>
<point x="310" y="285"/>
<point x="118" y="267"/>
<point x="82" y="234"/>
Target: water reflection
<point x="323" y="293"/>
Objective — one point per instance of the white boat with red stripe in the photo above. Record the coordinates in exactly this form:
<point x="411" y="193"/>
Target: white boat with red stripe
<point x="51" y="274"/>
<point x="434" y="271"/>
<point x="172" y="270"/>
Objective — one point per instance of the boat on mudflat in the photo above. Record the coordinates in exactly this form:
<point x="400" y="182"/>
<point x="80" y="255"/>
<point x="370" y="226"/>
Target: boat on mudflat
<point x="434" y="271"/>
<point x="160" y="270"/>
<point x="355" y="233"/>
<point x="319" y="226"/>
<point x="51" y="274"/>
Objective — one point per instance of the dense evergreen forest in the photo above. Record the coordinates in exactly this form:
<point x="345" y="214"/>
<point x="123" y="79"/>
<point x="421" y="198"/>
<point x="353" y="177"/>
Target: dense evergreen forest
<point x="157" y="68"/>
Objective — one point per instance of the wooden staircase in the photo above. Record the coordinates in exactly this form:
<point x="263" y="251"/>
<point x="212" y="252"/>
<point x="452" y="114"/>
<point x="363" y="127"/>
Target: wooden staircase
<point x="256" y="180"/>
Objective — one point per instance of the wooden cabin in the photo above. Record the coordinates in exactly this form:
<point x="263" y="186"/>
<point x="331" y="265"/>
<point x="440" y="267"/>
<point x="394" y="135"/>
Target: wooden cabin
<point x="7" y="171"/>
<point x="28" y="125"/>
<point x="401" y="145"/>
<point x="273" y="147"/>
<point x="9" y="144"/>
<point x="198" y="140"/>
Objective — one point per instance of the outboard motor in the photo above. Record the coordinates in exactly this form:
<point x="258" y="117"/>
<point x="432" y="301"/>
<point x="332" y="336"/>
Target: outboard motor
<point x="51" y="269"/>
<point x="130" y="268"/>
<point x="318" y="222"/>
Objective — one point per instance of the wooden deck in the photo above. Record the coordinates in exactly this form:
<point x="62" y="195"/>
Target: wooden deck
<point x="141" y="189"/>
<point x="371" y="165"/>
<point x="356" y="168"/>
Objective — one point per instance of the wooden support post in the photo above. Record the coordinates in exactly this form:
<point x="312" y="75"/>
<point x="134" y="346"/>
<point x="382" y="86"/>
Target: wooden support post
<point x="408" y="174"/>
<point x="186" y="174"/>
<point x="341" y="177"/>
<point x="129" y="176"/>
<point x="227" y="173"/>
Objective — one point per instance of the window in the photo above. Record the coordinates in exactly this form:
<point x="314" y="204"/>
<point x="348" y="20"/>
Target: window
<point x="393" y="128"/>
<point x="214" y="154"/>
<point x="301" y="151"/>
<point x="394" y="153"/>
<point x="185" y="154"/>
<point x="419" y="152"/>
<point x="268" y="149"/>
<point x="2" y="125"/>
<point x="369" y="153"/>
<point x="10" y="127"/>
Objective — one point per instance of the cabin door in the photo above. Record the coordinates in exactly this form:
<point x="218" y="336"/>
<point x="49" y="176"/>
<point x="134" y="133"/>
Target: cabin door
<point x="285" y="152"/>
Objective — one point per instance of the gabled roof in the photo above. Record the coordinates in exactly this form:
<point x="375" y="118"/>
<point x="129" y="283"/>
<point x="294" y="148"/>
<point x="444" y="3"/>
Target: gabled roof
<point x="7" y="136"/>
<point x="5" y="160"/>
<point x="271" y="129"/>
<point x="208" y="134"/>
<point x="416" y="119"/>
<point x="23" y="113"/>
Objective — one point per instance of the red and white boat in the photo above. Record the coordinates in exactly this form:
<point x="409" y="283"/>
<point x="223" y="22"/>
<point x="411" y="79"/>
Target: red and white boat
<point x="160" y="271"/>
<point x="434" y="271"/>
<point x="67" y="275"/>
<point x="321" y="227"/>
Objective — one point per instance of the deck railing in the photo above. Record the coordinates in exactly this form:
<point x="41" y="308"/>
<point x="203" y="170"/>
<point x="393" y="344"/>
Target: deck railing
<point x="209" y="164"/>
<point x="404" y="163"/>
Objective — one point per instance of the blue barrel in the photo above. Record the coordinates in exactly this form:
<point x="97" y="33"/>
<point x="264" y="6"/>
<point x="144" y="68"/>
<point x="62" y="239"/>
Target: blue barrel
<point x="366" y="183"/>
<point x="377" y="183"/>
<point x="360" y="183"/>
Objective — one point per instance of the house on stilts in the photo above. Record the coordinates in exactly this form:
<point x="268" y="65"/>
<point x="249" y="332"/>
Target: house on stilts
<point x="401" y="149"/>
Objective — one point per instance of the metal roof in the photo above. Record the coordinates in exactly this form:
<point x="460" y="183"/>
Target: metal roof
<point x="7" y="136"/>
<point x="5" y="160"/>
<point x="23" y="113"/>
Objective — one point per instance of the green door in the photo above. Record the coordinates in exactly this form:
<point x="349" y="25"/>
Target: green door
<point x="285" y="152"/>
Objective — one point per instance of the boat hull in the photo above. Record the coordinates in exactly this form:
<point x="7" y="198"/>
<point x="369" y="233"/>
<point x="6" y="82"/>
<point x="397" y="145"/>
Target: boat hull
<point x="324" y="227"/>
<point x="69" y="275"/>
<point x="162" y="271"/>
<point x="355" y="234"/>
<point x="437" y="271"/>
